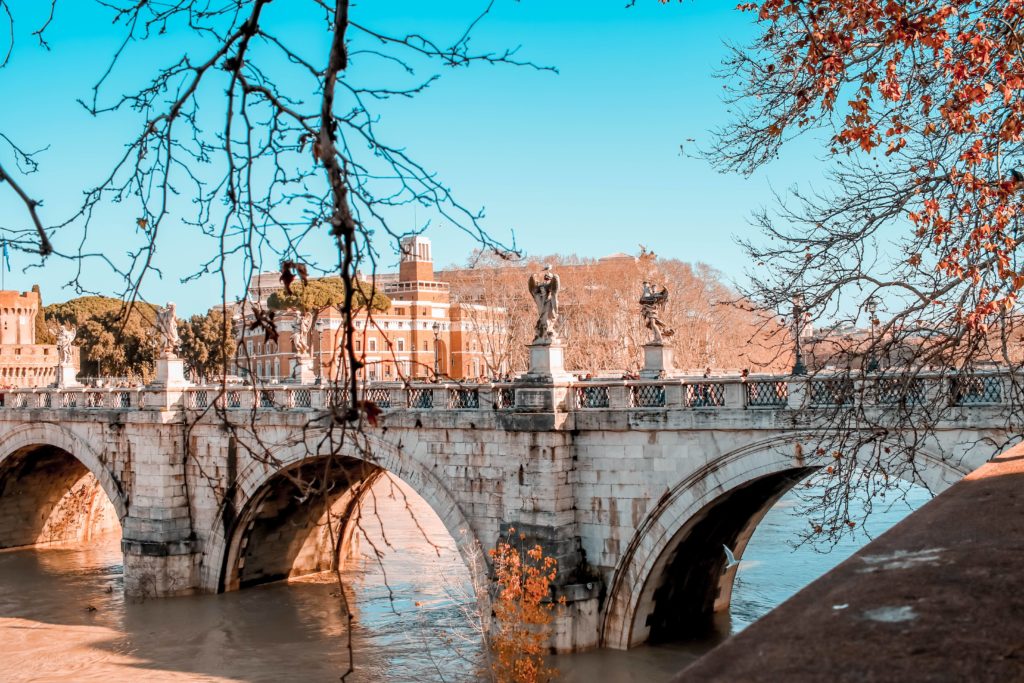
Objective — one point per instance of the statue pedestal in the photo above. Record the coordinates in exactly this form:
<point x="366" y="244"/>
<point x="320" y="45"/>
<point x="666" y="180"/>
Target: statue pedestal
<point x="170" y="372"/>
<point x="302" y="370"/>
<point x="547" y="363"/>
<point x="657" y="361"/>
<point x="67" y="376"/>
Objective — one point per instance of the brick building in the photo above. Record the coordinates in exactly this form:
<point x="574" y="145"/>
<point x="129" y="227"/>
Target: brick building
<point x="422" y="330"/>
<point x="23" y="363"/>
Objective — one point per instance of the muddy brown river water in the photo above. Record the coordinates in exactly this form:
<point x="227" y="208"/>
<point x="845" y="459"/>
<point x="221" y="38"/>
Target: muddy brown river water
<point x="63" y="615"/>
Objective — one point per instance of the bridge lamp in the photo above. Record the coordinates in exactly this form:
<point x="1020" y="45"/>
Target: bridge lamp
<point x="871" y="306"/>
<point x="437" y="357"/>
<point x="798" y="324"/>
<point x="321" y="325"/>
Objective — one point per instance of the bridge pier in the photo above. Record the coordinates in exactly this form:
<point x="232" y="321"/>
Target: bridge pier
<point x="157" y="536"/>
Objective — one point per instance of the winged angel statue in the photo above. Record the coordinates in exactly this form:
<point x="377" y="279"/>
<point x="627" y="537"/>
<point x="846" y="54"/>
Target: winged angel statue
<point x="652" y="303"/>
<point x="544" y="290"/>
<point x="65" y="338"/>
<point x="167" y="330"/>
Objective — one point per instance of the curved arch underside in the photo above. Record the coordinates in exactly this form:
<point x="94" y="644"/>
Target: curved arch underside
<point x="284" y="531"/>
<point x="695" y="583"/>
<point x="47" y="496"/>
<point x="672" y="578"/>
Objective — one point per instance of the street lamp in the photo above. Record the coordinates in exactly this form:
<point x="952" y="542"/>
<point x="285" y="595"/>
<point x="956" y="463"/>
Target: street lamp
<point x="320" y="324"/>
<point x="871" y="306"/>
<point x="437" y="357"/>
<point x="798" y="324"/>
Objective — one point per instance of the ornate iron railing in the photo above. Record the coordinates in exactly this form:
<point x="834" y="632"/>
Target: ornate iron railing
<point x="705" y="395"/>
<point x="589" y="397"/>
<point x="421" y="399"/>
<point x="831" y="392"/>
<point x="463" y="399"/>
<point x="198" y="400"/>
<point x="335" y="396"/>
<point x="301" y="398"/>
<point x="504" y="398"/>
<point x="818" y="392"/>
<point x="647" y="396"/>
<point x="893" y="390"/>
<point x="767" y="394"/>
<point x="975" y="390"/>
<point x="379" y="395"/>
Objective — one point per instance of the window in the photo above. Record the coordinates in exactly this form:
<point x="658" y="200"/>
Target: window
<point x="359" y="344"/>
<point x="401" y="345"/>
<point x="371" y="344"/>
<point x="277" y="368"/>
<point x="426" y="346"/>
<point x="248" y="347"/>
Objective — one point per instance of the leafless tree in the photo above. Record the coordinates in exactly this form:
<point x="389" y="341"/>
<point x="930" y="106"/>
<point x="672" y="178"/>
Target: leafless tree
<point x="906" y="254"/>
<point x="601" y="323"/>
<point x="274" y="142"/>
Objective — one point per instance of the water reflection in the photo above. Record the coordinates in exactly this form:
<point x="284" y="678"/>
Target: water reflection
<point x="63" y="615"/>
<point x="773" y="570"/>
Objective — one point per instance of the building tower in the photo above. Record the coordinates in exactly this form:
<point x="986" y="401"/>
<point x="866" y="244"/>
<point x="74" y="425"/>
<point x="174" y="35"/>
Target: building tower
<point x="416" y="264"/>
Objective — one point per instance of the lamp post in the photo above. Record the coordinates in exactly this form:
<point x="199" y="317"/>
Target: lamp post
<point x="437" y="357"/>
<point x="798" y="325"/>
<point x="871" y="306"/>
<point x="319" y="349"/>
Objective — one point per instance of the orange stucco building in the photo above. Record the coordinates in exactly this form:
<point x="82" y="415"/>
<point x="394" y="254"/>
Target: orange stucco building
<point x="421" y="330"/>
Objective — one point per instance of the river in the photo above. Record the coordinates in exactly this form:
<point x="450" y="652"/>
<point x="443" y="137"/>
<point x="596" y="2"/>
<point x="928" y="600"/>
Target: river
<point x="63" y="615"/>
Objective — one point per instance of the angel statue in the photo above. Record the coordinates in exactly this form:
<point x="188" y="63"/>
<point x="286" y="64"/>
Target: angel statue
<point x="300" y="337"/>
<point x="652" y="303"/>
<point x="544" y="290"/>
<point x="167" y="328"/>
<point x="65" y="337"/>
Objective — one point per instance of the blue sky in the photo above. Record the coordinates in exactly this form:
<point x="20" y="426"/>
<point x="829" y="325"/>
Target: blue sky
<point x="586" y="161"/>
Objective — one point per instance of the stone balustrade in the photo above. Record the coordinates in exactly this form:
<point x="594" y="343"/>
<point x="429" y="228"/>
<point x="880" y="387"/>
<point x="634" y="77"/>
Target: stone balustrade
<point x="820" y="392"/>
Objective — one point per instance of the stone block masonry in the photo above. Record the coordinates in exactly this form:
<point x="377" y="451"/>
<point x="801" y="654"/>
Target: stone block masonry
<point x="628" y="500"/>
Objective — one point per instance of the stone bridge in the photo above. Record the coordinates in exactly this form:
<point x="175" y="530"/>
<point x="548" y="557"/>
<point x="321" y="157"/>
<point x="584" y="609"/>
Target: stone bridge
<point x="633" y="485"/>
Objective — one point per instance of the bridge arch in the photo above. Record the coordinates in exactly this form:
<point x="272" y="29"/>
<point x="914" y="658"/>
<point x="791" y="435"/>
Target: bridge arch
<point x="54" y="487"/>
<point x="264" y="508"/>
<point x="722" y="502"/>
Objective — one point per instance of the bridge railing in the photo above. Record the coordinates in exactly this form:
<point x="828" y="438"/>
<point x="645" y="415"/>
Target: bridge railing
<point x="821" y="392"/>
